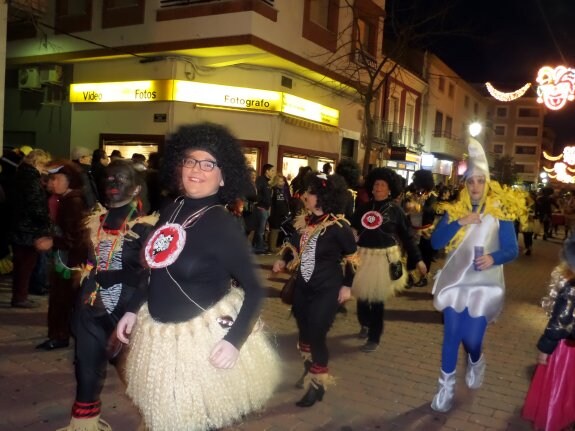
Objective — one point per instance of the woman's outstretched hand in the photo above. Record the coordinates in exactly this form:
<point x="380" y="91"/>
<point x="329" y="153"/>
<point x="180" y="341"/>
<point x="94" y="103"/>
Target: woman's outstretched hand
<point x="279" y="265"/>
<point x="125" y="326"/>
<point x="421" y="267"/>
<point x="542" y="358"/>
<point x="224" y="355"/>
<point x="344" y="294"/>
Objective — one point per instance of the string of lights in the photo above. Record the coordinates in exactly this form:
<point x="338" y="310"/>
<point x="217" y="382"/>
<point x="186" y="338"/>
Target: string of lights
<point x="507" y="97"/>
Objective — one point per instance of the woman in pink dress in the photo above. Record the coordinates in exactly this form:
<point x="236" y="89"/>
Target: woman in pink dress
<point x="550" y="401"/>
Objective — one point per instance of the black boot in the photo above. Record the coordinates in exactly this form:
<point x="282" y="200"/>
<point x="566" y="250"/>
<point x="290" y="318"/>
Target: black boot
<point x="313" y="394"/>
<point x="306" y="366"/>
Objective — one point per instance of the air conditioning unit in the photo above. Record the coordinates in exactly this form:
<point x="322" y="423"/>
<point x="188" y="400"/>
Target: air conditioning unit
<point x="29" y="78"/>
<point x="51" y="74"/>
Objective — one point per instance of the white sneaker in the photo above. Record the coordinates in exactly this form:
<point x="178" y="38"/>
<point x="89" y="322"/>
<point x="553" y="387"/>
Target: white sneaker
<point x="475" y="372"/>
<point x="443" y="399"/>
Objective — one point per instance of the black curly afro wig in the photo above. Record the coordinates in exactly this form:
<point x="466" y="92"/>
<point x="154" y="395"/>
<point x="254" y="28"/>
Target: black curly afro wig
<point x="423" y="180"/>
<point x="332" y="193"/>
<point x="392" y="179"/>
<point x="220" y="143"/>
<point x="349" y="169"/>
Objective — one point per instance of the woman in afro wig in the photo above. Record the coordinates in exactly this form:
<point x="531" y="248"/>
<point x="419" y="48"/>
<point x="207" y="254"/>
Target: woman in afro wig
<point x="199" y="359"/>
<point x="384" y="234"/>
<point x="322" y="241"/>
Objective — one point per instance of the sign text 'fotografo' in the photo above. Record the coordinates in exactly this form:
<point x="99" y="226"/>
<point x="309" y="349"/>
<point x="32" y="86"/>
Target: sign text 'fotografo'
<point x="203" y="94"/>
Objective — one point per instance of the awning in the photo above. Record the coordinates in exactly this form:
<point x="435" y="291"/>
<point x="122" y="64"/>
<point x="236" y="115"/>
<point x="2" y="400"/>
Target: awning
<point x="300" y="122"/>
<point x="445" y="156"/>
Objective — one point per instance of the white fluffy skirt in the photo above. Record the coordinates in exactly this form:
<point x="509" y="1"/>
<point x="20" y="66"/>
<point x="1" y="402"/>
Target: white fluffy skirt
<point x="372" y="282"/>
<point x="171" y="381"/>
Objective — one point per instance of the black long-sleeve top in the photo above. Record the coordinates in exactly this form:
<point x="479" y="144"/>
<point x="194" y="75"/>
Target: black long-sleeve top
<point x="394" y="228"/>
<point x="215" y="251"/>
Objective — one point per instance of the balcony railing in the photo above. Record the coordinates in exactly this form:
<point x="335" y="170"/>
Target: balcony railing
<point x="35" y="7"/>
<point x="444" y="134"/>
<point x="394" y="135"/>
<point x="364" y="58"/>
<point x="175" y="3"/>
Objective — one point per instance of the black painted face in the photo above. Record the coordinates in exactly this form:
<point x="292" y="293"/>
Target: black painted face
<point x="120" y="185"/>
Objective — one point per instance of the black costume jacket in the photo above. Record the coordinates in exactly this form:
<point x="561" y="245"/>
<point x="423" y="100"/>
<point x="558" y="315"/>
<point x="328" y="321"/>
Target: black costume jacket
<point x="561" y="324"/>
<point x="125" y="273"/>
<point x="320" y="267"/>
<point x="394" y="230"/>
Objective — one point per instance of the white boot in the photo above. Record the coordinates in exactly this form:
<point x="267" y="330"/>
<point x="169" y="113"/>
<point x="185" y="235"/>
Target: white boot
<point x="443" y="399"/>
<point x="475" y="372"/>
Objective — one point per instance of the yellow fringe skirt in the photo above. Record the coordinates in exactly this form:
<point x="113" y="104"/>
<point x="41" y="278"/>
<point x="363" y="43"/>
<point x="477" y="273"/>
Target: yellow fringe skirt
<point x="170" y="379"/>
<point x="372" y="282"/>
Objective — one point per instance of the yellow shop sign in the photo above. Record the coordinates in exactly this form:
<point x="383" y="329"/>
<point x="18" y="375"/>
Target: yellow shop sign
<point x="131" y="91"/>
<point x="215" y="95"/>
<point x="223" y="95"/>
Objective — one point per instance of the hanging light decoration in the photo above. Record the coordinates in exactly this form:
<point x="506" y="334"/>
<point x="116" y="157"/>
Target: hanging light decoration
<point x="556" y="86"/>
<point x="563" y="166"/>
<point x="552" y="158"/>
<point x="507" y="97"/>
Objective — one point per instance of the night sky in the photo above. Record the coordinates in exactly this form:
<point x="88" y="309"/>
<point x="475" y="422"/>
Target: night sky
<point x="506" y="42"/>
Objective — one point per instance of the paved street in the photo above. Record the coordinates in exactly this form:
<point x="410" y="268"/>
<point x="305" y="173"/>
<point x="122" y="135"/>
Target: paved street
<point x="387" y="390"/>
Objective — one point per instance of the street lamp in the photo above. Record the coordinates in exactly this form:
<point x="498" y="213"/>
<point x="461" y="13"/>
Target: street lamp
<point x="475" y="129"/>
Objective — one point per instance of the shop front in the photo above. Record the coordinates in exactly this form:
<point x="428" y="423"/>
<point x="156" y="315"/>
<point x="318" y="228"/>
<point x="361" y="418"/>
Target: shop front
<point x="290" y="159"/>
<point x="130" y="144"/>
<point x="445" y="168"/>
<point x="269" y="124"/>
<point x="404" y="162"/>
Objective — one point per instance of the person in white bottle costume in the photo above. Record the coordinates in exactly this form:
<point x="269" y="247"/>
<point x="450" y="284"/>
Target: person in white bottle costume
<point x="477" y="232"/>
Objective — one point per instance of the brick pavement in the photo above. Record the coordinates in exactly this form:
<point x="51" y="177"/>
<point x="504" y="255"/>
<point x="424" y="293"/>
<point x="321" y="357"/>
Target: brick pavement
<point x="387" y="390"/>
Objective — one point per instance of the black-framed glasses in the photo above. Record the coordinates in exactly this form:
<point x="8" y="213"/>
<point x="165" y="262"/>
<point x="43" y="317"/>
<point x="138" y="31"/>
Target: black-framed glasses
<point x="205" y="165"/>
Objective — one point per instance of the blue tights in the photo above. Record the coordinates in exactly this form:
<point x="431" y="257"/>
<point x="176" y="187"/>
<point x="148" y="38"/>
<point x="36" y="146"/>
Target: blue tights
<point x="461" y="328"/>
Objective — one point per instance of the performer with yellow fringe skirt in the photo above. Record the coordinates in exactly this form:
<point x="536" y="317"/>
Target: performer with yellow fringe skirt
<point x="109" y="279"/>
<point x="199" y="358"/>
<point x="479" y="235"/>
<point x="383" y="233"/>
<point x="323" y="242"/>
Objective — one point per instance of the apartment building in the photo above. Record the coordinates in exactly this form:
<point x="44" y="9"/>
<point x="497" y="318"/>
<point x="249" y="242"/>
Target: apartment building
<point x="399" y="120"/>
<point x="450" y="106"/>
<point x="123" y="75"/>
<point x="518" y="132"/>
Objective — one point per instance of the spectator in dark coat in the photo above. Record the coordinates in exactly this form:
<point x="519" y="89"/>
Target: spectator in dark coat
<point x="263" y="207"/>
<point x="31" y="227"/>
<point x="156" y="194"/>
<point x="249" y="211"/>
<point x="99" y="162"/>
<point x="279" y="210"/>
<point x="8" y="164"/>
<point x="544" y="211"/>
<point x="82" y="157"/>
<point x="71" y="244"/>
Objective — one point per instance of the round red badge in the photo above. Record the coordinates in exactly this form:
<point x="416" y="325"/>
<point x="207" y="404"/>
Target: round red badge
<point x="165" y="245"/>
<point x="372" y="220"/>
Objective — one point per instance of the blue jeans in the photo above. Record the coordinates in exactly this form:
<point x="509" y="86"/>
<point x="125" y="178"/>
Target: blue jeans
<point x="262" y="219"/>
